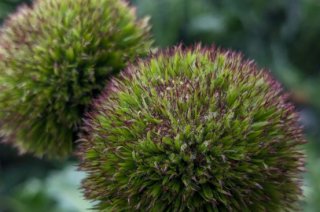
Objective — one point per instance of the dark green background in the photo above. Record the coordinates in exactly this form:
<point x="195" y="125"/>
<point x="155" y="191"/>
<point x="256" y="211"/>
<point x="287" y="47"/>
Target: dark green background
<point x="281" y="35"/>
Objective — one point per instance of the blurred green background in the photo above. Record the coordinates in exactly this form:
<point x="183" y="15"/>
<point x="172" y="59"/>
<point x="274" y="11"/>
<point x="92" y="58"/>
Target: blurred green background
<point x="281" y="35"/>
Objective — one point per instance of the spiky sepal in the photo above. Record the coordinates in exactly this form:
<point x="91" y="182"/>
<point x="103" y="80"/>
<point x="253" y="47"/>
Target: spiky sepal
<point x="196" y="129"/>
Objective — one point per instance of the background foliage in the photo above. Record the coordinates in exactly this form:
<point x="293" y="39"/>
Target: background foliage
<point x="282" y="35"/>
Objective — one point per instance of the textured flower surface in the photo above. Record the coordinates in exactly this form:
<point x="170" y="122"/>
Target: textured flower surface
<point x="193" y="130"/>
<point x="55" y="56"/>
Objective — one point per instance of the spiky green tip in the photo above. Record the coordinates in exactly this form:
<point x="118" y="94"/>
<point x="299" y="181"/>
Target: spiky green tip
<point x="193" y="130"/>
<point x="54" y="58"/>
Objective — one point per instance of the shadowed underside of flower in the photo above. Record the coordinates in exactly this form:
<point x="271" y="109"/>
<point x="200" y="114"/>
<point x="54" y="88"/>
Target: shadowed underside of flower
<point x="197" y="129"/>
<point x="54" y="58"/>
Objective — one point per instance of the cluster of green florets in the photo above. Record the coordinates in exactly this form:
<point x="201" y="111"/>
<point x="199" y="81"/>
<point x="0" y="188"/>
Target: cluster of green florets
<point x="54" y="58"/>
<point x="193" y="130"/>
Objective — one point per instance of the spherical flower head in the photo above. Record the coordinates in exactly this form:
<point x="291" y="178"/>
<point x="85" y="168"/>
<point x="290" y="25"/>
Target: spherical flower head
<point x="54" y="58"/>
<point x="193" y="130"/>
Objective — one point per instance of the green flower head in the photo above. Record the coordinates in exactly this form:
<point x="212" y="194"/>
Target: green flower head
<point x="193" y="130"/>
<point x="55" y="56"/>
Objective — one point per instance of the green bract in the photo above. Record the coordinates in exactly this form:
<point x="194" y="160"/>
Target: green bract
<point x="54" y="58"/>
<point x="193" y="130"/>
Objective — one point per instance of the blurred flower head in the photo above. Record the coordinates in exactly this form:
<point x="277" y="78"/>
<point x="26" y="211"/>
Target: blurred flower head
<point x="55" y="56"/>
